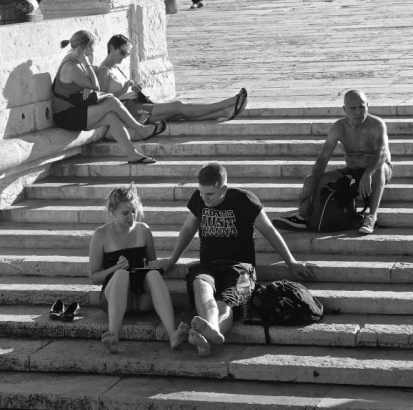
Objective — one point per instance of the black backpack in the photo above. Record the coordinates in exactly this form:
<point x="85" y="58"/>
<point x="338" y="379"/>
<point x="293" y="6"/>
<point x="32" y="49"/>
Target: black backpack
<point x="334" y="206"/>
<point x="283" y="302"/>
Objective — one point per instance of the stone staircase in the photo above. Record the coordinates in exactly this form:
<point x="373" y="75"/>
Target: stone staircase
<point x="360" y="358"/>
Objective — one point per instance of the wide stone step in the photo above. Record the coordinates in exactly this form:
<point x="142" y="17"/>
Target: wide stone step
<point x="343" y="330"/>
<point x="169" y="189"/>
<point x="326" y="268"/>
<point x="359" y="298"/>
<point x="384" y="241"/>
<point x="275" y="126"/>
<point x="240" y="168"/>
<point x="38" y="391"/>
<point x="319" y="365"/>
<point x="270" y="109"/>
<point x="92" y="211"/>
<point x="161" y="147"/>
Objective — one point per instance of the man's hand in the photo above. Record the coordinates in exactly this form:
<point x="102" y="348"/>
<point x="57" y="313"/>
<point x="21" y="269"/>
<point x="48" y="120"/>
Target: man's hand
<point x="365" y="185"/>
<point x="165" y="264"/>
<point x="302" y="270"/>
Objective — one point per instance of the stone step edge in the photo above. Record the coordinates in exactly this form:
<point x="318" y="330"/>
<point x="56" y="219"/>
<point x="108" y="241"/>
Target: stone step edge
<point x="264" y="109"/>
<point x="344" y="330"/>
<point x="365" y="299"/>
<point x="37" y="391"/>
<point x="303" y="364"/>
<point x="378" y="270"/>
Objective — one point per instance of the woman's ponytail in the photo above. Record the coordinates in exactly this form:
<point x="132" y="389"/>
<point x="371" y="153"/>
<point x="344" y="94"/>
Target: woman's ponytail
<point x="64" y="43"/>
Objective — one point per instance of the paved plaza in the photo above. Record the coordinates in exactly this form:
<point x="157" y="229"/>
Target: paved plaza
<point x="294" y="52"/>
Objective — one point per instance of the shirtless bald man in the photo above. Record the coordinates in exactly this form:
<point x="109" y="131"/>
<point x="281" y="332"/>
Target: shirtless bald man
<point x="367" y="156"/>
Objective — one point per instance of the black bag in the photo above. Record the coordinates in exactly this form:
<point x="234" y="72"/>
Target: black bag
<point x="77" y="99"/>
<point x="334" y="208"/>
<point x="283" y="303"/>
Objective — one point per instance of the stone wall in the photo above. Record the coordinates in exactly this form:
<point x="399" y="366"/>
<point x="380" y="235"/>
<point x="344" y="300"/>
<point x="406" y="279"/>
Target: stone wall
<point x="30" y="55"/>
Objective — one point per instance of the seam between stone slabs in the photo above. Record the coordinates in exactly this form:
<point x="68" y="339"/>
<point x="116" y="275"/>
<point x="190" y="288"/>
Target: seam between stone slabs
<point x="100" y="396"/>
<point x="29" y="358"/>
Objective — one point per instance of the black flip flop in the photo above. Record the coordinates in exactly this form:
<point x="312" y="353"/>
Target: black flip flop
<point x="70" y="312"/>
<point x="143" y="160"/>
<point x="240" y="103"/>
<point x="160" y="127"/>
<point x="56" y="310"/>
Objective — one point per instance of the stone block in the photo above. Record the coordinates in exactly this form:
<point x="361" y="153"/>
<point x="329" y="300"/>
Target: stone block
<point x="15" y="353"/>
<point x="46" y="391"/>
<point x="135" y="358"/>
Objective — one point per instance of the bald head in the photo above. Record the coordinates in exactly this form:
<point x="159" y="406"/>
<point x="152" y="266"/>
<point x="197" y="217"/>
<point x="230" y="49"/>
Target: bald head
<point x="355" y="106"/>
<point x="354" y="96"/>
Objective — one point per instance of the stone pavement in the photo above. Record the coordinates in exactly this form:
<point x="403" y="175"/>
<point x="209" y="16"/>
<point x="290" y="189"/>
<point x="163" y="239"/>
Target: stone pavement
<point x="293" y="52"/>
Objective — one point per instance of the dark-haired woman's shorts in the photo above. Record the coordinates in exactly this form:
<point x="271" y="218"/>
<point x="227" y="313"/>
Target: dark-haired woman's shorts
<point x="74" y="119"/>
<point x="226" y="278"/>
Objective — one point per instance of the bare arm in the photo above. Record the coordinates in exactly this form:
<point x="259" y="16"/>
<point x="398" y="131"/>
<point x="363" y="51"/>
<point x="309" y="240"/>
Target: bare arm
<point x="376" y="160"/>
<point x="150" y="247"/>
<point x="73" y="73"/>
<point x="325" y="155"/>
<point x="299" y="270"/>
<point x="186" y="234"/>
<point x="264" y="225"/>
<point x="381" y="142"/>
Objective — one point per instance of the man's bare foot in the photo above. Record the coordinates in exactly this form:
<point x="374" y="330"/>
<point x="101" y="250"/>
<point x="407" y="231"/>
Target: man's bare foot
<point x="202" y="346"/>
<point x="204" y="327"/>
<point x="180" y="335"/>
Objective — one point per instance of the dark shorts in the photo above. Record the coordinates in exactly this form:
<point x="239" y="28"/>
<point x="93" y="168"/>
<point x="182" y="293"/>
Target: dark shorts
<point x="136" y="288"/>
<point x="224" y="276"/>
<point x="74" y="119"/>
<point x="357" y="173"/>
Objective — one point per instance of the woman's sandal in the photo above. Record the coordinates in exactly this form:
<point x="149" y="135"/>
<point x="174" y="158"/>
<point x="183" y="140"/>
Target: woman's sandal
<point x="110" y="341"/>
<point x="159" y="128"/>
<point x="143" y="160"/>
<point x="240" y="103"/>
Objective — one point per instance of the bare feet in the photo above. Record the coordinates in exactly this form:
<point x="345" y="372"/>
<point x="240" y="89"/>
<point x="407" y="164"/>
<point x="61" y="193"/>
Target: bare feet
<point x="141" y="159"/>
<point x="110" y="341"/>
<point x="202" y="346"/>
<point x="204" y="327"/>
<point x="180" y="335"/>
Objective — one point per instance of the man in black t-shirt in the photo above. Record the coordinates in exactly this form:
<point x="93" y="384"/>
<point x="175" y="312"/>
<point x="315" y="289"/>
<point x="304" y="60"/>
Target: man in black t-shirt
<point x="225" y="277"/>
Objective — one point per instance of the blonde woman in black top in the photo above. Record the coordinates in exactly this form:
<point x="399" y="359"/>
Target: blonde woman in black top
<point x="120" y="252"/>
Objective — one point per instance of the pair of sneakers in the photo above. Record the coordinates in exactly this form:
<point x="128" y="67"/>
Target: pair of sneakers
<point x="296" y="222"/>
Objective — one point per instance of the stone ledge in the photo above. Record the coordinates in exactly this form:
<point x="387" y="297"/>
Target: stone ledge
<point x="29" y="156"/>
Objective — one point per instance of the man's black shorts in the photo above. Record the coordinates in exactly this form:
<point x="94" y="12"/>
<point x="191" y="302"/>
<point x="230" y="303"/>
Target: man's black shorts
<point x="224" y="276"/>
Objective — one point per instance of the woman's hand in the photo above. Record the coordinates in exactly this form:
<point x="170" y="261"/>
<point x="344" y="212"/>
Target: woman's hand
<point x="122" y="263"/>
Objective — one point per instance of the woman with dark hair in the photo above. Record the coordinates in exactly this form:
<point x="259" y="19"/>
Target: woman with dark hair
<point x="78" y="103"/>
<point x="113" y="80"/>
<point x="120" y="252"/>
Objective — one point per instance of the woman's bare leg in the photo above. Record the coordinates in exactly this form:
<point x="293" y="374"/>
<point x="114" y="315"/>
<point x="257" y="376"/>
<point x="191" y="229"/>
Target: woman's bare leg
<point x="164" y="111"/>
<point x="121" y="134"/>
<point x="111" y="104"/>
<point x="116" y="293"/>
<point x="162" y="303"/>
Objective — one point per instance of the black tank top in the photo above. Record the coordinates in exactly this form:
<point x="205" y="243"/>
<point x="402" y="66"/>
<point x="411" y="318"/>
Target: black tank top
<point x="136" y="257"/>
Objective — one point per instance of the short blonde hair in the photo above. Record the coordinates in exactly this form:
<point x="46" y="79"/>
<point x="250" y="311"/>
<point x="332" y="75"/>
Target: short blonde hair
<point x="121" y="194"/>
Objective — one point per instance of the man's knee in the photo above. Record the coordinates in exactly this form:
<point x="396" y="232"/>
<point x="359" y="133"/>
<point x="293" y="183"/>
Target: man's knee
<point x="201" y="284"/>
